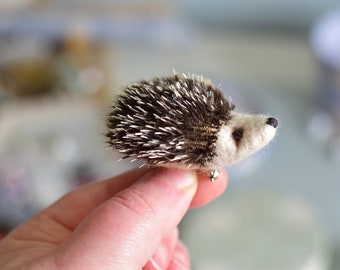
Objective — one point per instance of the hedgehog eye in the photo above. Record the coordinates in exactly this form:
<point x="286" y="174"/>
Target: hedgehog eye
<point x="237" y="135"/>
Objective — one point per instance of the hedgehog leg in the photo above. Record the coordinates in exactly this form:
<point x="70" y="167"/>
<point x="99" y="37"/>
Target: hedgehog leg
<point x="214" y="174"/>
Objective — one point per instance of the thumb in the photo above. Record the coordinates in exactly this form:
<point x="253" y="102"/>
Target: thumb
<point x="125" y="231"/>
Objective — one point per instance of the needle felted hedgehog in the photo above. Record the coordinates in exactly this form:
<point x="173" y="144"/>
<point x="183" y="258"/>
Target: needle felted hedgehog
<point x="184" y="121"/>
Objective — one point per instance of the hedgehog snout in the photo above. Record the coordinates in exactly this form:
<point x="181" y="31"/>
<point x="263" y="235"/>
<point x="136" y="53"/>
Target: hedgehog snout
<point x="272" y="122"/>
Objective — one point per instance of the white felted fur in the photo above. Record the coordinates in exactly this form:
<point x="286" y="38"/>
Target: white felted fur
<point x="256" y="134"/>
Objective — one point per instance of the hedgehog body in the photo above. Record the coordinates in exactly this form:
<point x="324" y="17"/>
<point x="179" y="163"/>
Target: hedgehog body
<point x="184" y="121"/>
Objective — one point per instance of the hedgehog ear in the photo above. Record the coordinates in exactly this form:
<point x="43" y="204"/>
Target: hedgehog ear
<point x="231" y="104"/>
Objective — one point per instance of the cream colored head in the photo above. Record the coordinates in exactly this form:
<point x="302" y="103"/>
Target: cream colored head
<point x="242" y="136"/>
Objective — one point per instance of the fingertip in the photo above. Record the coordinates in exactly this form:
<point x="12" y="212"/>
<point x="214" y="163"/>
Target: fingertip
<point x="207" y="191"/>
<point x="181" y="179"/>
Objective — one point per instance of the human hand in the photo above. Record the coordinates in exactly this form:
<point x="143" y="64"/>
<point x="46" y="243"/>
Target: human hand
<point x="126" y="222"/>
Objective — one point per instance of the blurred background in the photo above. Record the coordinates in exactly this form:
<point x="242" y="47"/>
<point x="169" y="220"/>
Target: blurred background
<point x="62" y="62"/>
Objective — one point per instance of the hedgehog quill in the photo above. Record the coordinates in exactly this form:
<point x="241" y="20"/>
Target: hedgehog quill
<point x="184" y="121"/>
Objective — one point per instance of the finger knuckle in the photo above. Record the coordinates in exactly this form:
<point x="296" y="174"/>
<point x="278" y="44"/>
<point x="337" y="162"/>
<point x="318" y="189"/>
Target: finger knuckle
<point x="133" y="200"/>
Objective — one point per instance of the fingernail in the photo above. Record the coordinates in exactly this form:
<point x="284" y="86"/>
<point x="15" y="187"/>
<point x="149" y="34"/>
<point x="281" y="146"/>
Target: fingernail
<point x="160" y="258"/>
<point x="179" y="264"/>
<point x="180" y="261"/>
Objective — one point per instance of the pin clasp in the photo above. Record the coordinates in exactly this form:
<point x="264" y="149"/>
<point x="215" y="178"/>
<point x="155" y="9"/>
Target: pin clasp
<point x="213" y="175"/>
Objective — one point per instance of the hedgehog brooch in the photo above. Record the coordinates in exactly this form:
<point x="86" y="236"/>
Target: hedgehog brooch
<point x="184" y="121"/>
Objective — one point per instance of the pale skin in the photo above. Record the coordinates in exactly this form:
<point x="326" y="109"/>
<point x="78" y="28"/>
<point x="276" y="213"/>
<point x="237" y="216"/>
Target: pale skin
<point x="126" y="222"/>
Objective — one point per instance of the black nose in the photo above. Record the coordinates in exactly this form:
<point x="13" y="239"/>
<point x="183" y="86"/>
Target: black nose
<point x="273" y="122"/>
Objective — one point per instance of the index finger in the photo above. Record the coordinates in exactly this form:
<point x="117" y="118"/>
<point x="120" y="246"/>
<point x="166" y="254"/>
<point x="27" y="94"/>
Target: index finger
<point x="71" y="209"/>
